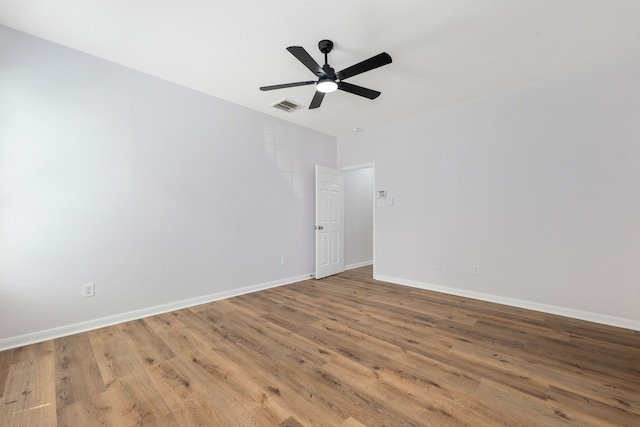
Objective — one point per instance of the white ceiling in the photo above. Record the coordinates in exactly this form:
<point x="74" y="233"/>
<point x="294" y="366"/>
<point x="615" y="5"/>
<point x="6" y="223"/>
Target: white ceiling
<point x="444" y="51"/>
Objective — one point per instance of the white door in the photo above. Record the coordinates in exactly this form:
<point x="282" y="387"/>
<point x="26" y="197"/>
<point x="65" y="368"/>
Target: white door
<point x="329" y="222"/>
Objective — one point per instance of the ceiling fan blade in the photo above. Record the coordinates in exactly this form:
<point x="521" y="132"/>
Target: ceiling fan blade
<point x="285" y="85"/>
<point x="317" y="100"/>
<point x="358" y="90"/>
<point x="304" y="57"/>
<point x="366" y="65"/>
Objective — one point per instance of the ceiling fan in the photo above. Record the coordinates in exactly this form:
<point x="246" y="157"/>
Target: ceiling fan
<point x="328" y="79"/>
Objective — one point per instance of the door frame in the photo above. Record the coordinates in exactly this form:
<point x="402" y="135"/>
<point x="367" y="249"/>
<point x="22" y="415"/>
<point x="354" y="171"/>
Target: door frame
<point x="373" y="203"/>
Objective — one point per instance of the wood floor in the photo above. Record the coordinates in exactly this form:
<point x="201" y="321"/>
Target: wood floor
<point x="343" y="351"/>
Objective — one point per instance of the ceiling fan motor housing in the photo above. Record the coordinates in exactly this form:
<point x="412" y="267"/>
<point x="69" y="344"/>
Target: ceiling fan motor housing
<point x="325" y="46"/>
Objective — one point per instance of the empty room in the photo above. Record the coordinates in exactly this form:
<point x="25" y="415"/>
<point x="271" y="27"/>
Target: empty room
<point x="287" y="213"/>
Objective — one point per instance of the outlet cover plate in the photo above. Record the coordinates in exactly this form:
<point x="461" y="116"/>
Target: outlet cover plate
<point x="88" y="290"/>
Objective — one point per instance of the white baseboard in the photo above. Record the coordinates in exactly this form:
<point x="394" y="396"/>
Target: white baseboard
<point x="19" y="341"/>
<point x="551" y="309"/>
<point x="358" y="264"/>
<point x="62" y="331"/>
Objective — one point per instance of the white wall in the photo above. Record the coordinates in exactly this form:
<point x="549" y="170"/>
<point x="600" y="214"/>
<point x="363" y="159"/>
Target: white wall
<point x="540" y="186"/>
<point x="358" y="217"/>
<point x="155" y="192"/>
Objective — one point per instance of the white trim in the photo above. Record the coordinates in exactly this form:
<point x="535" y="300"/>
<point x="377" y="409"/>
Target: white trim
<point x="49" y="334"/>
<point x="529" y="305"/>
<point x="358" y="264"/>
<point x="373" y="208"/>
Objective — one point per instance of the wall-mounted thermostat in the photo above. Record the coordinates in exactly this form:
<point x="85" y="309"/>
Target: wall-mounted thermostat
<point x="382" y="194"/>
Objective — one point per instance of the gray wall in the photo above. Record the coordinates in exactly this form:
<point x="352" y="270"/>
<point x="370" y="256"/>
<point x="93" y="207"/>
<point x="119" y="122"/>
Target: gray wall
<point x="157" y="193"/>
<point x="539" y="185"/>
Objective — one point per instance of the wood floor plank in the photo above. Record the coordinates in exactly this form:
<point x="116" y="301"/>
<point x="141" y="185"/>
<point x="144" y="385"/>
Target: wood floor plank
<point x="29" y="398"/>
<point x="76" y="374"/>
<point x="346" y="350"/>
<point x="189" y="391"/>
<point x="9" y="357"/>
<point x="30" y="352"/>
<point x="128" y="403"/>
<point x="145" y="342"/>
<point x="352" y="422"/>
<point x="261" y="378"/>
<point x="591" y="410"/>
<point x="129" y="393"/>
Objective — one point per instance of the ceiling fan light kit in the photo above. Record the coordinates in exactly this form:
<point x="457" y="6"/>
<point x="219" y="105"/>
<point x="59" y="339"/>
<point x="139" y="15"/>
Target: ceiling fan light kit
<point x="328" y="80"/>
<point x="326" y="86"/>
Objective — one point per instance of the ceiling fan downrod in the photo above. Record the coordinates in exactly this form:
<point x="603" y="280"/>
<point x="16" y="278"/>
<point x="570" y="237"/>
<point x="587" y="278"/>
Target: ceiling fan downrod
<point x="325" y="47"/>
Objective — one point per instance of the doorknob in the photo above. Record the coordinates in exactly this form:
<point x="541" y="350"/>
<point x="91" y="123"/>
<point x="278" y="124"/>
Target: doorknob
<point x="319" y="227"/>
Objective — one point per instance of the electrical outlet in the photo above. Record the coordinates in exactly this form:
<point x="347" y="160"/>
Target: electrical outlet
<point x="283" y="260"/>
<point x="89" y="290"/>
<point x="476" y="269"/>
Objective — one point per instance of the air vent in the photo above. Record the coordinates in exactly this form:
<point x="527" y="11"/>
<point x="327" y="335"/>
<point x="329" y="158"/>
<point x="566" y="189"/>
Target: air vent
<point x="286" y="105"/>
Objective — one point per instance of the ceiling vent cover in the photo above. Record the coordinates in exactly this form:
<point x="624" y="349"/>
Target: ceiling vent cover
<point x="286" y="105"/>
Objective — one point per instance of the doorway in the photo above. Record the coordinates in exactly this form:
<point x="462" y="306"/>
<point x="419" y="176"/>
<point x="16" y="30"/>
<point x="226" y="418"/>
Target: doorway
<point x="359" y="216"/>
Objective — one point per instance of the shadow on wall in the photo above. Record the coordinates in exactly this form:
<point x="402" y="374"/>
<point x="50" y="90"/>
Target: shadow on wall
<point x="280" y="150"/>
